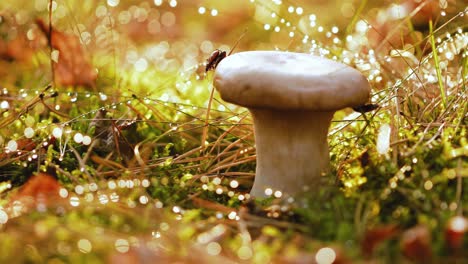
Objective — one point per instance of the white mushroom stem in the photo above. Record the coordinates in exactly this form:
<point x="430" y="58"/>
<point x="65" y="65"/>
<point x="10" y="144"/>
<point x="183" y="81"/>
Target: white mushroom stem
<point x="292" y="149"/>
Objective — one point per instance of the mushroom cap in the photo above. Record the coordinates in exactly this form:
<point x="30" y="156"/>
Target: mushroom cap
<point x="289" y="81"/>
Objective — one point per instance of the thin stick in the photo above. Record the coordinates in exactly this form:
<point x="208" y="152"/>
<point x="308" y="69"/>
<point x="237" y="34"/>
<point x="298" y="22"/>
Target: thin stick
<point x="208" y="110"/>
<point x="49" y="39"/>
<point x="237" y="41"/>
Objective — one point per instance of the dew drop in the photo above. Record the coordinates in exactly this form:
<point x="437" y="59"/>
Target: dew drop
<point x="57" y="132"/>
<point x="79" y="189"/>
<point x="63" y="193"/>
<point x="122" y="245"/>
<point x="12" y="145"/>
<point x="4" y="105"/>
<point x="232" y="215"/>
<point x="111" y="185"/>
<point x="78" y="138"/>
<point x="3" y="217"/>
<point x="145" y="183"/>
<point x="84" y="245"/>
<point x="114" y="197"/>
<point x="325" y="255"/>
<point x="74" y="201"/>
<point x="213" y="248"/>
<point x="278" y="194"/>
<point x="143" y="199"/>
<point x="103" y="199"/>
<point x="86" y="140"/>
<point x="234" y="184"/>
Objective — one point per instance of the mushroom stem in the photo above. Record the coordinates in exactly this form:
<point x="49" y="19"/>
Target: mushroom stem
<point x="292" y="149"/>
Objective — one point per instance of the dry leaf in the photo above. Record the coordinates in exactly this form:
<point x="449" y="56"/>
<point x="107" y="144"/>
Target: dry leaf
<point x="40" y="189"/>
<point x="416" y="244"/>
<point x="39" y="185"/>
<point x="17" y="49"/>
<point x="455" y="232"/>
<point x="373" y="237"/>
<point x="72" y="66"/>
<point x="14" y="45"/>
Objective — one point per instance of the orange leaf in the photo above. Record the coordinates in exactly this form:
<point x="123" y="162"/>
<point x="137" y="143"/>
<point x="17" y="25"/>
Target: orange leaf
<point x="15" y="50"/>
<point x="40" y="184"/>
<point x="40" y="191"/>
<point x="72" y="67"/>
<point x="373" y="237"/>
<point x="416" y="244"/>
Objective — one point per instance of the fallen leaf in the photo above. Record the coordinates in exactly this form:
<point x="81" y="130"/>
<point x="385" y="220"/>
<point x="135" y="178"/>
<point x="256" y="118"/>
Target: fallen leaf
<point x="16" y="49"/>
<point x="40" y="190"/>
<point x="455" y="232"/>
<point x="373" y="237"/>
<point x="416" y="244"/>
<point x="15" y="46"/>
<point x="38" y="185"/>
<point x="72" y="66"/>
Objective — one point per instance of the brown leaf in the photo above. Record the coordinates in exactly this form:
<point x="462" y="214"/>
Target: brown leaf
<point x="15" y="46"/>
<point x="373" y="237"/>
<point x="455" y="232"/>
<point x="73" y="66"/>
<point x="416" y="244"/>
<point x="40" y="192"/>
<point x="41" y="184"/>
<point x="26" y="144"/>
<point x="17" y="49"/>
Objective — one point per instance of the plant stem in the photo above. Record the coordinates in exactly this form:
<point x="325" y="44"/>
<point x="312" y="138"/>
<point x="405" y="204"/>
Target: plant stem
<point x="437" y="65"/>
<point x="206" y="126"/>
<point x="49" y="39"/>
<point x="355" y="18"/>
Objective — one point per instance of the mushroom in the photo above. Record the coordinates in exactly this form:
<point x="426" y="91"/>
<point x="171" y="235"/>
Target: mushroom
<point x="292" y="98"/>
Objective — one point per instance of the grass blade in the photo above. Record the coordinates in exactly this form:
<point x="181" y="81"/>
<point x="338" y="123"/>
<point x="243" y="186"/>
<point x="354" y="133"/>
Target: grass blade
<point x="437" y="65"/>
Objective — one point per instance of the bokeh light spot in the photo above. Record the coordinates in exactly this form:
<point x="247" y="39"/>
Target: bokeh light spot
<point x="213" y="248"/>
<point x="122" y="245"/>
<point x="325" y="255"/>
<point x="84" y="245"/>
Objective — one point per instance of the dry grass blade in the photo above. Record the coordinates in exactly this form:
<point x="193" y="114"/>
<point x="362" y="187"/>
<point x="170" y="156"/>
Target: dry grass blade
<point x="107" y="162"/>
<point x="207" y="117"/>
<point x="8" y="119"/>
<point x="437" y="65"/>
<point x="232" y="164"/>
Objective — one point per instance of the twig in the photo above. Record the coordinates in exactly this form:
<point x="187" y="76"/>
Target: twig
<point x="80" y="161"/>
<point x="242" y="161"/>
<point x="49" y="39"/>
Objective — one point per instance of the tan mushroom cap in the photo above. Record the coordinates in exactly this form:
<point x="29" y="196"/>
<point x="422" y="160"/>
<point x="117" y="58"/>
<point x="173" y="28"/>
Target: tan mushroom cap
<point x="289" y="81"/>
